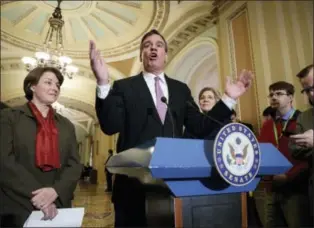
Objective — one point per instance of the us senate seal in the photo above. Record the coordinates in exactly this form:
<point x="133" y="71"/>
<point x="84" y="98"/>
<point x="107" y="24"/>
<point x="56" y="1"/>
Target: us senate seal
<point x="237" y="154"/>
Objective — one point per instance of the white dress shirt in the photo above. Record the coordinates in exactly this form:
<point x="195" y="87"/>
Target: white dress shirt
<point x="150" y="81"/>
<point x="103" y="90"/>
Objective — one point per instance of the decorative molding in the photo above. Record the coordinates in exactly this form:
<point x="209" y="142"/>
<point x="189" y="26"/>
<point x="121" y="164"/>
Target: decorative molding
<point x="232" y="58"/>
<point x="121" y="17"/>
<point x="185" y="62"/>
<point x="16" y="64"/>
<point x="88" y="28"/>
<point x="109" y="27"/>
<point x="235" y="14"/>
<point x="11" y="64"/>
<point x="186" y="34"/>
<point x="158" y="21"/>
<point x="66" y="101"/>
<point x="24" y="15"/>
<point x="127" y="3"/>
<point x="262" y="42"/>
<point x="196" y="27"/>
<point x="79" y="106"/>
<point x="253" y="68"/>
<point x="219" y="6"/>
<point x="83" y="7"/>
<point x="6" y="2"/>
<point x="201" y="61"/>
<point x="242" y="9"/>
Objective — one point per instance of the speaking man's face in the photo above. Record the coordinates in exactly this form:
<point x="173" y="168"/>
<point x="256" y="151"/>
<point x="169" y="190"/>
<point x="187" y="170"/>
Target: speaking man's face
<point x="154" y="54"/>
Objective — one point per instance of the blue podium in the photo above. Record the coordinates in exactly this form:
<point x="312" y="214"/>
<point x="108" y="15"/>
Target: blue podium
<point x="186" y="169"/>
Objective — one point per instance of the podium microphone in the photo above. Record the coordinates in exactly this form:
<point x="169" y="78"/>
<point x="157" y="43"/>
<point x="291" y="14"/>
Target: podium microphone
<point x="207" y="116"/>
<point x="164" y="100"/>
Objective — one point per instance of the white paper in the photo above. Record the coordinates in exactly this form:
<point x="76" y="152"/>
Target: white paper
<point x="66" y="217"/>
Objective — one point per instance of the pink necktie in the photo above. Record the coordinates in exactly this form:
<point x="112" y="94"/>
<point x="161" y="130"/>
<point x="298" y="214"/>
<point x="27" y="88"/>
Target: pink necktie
<point x="161" y="107"/>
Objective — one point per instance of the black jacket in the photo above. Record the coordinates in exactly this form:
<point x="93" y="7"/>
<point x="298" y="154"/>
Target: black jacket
<point x="129" y="110"/>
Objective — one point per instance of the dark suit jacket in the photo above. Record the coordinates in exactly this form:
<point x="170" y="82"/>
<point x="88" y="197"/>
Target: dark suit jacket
<point x="19" y="175"/>
<point x="305" y="122"/>
<point x="210" y="136"/>
<point x="3" y="105"/>
<point x="130" y="110"/>
<point x="248" y="125"/>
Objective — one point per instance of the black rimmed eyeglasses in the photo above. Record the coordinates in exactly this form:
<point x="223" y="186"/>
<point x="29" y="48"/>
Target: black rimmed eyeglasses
<point x="308" y="89"/>
<point x="277" y="94"/>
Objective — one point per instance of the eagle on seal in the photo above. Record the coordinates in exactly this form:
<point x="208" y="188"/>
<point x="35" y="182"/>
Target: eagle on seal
<point x="238" y="156"/>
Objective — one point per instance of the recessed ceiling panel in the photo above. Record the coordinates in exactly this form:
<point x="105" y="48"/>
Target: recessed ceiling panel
<point x="17" y="13"/>
<point x="116" y="25"/>
<point x="66" y="5"/>
<point x="78" y="32"/>
<point x="38" y="23"/>
<point x="126" y="14"/>
<point x="94" y="27"/>
<point x="134" y="4"/>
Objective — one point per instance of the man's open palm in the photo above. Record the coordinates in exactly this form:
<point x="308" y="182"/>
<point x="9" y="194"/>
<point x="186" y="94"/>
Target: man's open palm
<point x="240" y="86"/>
<point x="98" y="65"/>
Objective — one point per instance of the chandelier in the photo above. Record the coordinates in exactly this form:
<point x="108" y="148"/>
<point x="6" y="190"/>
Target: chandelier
<point x="52" y="55"/>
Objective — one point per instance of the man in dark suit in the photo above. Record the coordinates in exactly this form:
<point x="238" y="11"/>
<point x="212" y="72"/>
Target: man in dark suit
<point x="3" y="105"/>
<point x="235" y="120"/>
<point x="133" y="108"/>
<point x="302" y="143"/>
<point x="108" y="174"/>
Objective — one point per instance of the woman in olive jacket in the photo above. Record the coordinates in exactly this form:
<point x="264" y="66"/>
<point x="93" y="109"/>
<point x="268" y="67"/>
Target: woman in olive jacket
<point x="39" y="160"/>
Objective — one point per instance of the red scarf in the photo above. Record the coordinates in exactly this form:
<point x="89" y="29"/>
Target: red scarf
<point x="47" y="153"/>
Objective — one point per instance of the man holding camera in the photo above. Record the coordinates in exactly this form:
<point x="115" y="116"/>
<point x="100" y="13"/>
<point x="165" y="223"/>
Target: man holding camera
<point x="301" y="144"/>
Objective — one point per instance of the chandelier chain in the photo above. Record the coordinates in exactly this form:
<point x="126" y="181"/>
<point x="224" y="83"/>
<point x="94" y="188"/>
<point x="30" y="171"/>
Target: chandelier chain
<point x="53" y="56"/>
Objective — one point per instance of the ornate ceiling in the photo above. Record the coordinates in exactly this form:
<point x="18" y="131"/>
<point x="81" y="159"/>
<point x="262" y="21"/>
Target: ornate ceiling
<point x="116" y="27"/>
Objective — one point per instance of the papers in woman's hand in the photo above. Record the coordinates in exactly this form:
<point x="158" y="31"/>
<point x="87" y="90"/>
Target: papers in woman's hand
<point x="66" y="217"/>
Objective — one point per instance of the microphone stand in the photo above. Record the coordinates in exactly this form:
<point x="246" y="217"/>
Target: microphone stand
<point x="164" y="100"/>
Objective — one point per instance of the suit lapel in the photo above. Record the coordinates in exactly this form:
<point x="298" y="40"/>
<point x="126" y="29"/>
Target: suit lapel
<point x="171" y="88"/>
<point x="145" y="98"/>
<point x="173" y="98"/>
